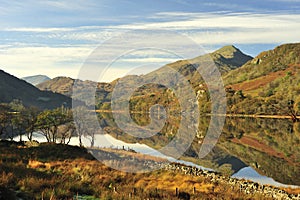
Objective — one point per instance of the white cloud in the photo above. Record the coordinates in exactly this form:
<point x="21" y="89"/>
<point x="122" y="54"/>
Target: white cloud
<point x="52" y="61"/>
<point x="204" y="28"/>
<point x="113" y="73"/>
<point x="149" y="60"/>
<point x="224" y="28"/>
<point x="214" y="20"/>
<point x="246" y="27"/>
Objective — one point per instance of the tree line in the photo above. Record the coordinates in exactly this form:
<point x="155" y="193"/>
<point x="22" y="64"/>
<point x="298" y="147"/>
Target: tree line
<point x="57" y="125"/>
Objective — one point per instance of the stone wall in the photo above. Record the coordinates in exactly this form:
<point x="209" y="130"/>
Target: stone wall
<point x="246" y="186"/>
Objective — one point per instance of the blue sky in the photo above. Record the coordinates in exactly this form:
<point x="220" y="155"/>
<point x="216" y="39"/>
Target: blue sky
<point x="54" y="37"/>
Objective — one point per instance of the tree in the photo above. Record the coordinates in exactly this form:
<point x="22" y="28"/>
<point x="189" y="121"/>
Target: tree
<point x="18" y="125"/>
<point x="86" y="125"/>
<point x="16" y="105"/>
<point x="4" y="119"/>
<point x="48" y="122"/>
<point x="30" y="116"/>
<point x="67" y="130"/>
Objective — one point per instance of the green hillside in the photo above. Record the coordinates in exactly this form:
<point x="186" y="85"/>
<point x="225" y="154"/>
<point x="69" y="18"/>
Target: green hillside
<point x="268" y="84"/>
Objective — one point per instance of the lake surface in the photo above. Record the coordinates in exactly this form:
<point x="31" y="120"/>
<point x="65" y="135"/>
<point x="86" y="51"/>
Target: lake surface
<point x="248" y="147"/>
<point x="262" y="150"/>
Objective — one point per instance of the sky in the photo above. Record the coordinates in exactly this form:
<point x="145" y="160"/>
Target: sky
<point x="56" y="37"/>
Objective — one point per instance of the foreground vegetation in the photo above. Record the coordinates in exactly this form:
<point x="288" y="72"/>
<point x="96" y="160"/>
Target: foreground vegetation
<point x="57" y="171"/>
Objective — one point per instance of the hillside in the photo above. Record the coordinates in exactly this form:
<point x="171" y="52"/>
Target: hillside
<point x="267" y="62"/>
<point x="267" y="84"/>
<point x="56" y="171"/>
<point x="35" y="80"/>
<point x="226" y="59"/>
<point x="263" y="85"/>
<point x="12" y="88"/>
<point x="64" y="85"/>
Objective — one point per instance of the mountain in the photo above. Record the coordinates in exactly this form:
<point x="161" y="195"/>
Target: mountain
<point x="229" y="58"/>
<point x="268" y="84"/>
<point x="64" y="85"/>
<point x="35" y="80"/>
<point x="226" y="59"/>
<point x="14" y="88"/>
<point x="281" y="58"/>
<point x="262" y="85"/>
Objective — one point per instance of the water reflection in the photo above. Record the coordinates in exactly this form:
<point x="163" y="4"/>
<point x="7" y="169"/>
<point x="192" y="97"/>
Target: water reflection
<point x="270" y="146"/>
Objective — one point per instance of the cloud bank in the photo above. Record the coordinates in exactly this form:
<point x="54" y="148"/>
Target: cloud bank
<point x="62" y="50"/>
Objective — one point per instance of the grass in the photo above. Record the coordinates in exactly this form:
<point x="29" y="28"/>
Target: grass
<point x="72" y="173"/>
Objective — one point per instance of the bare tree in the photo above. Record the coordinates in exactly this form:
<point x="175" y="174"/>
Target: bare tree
<point x="66" y="132"/>
<point x="86" y="124"/>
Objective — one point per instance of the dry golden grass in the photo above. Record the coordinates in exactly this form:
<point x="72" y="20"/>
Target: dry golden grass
<point x="292" y="190"/>
<point x="135" y="155"/>
<point x="36" y="164"/>
<point x="38" y="175"/>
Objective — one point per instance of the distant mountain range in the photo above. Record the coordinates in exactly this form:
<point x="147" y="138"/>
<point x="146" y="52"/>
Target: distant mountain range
<point x="260" y="85"/>
<point x="226" y="59"/>
<point x="12" y="88"/>
<point x="35" y="80"/>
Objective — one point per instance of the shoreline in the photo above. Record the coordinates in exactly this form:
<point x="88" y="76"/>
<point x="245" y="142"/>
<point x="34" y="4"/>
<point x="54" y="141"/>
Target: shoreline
<point x="253" y="116"/>
<point x="209" y="114"/>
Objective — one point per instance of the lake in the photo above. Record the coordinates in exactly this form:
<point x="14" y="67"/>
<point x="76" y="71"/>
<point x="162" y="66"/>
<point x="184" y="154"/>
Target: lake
<point x="269" y="147"/>
<point x="262" y="150"/>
